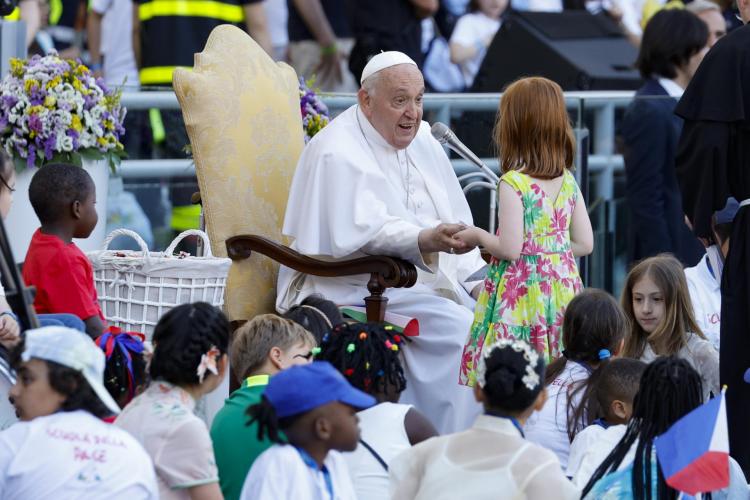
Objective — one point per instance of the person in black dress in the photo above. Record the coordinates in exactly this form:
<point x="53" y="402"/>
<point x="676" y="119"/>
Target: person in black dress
<point x="713" y="163"/>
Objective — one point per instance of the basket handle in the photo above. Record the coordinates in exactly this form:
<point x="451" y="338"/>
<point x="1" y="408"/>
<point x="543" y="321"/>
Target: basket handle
<point x="190" y="232"/>
<point x="126" y="232"/>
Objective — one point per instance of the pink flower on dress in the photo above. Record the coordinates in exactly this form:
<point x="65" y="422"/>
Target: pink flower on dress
<point x="531" y="247"/>
<point x="559" y="220"/>
<point x="490" y="286"/>
<point x="514" y="290"/>
<point x="568" y="261"/>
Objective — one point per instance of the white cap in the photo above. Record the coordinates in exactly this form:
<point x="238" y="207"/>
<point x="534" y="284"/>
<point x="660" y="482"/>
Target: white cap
<point x="74" y="349"/>
<point x="385" y="60"/>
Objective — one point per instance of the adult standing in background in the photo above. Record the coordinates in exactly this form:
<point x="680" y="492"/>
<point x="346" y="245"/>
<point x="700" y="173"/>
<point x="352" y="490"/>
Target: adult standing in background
<point x="713" y="163"/>
<point x="710" y="13"/>
<point x="673" y="45"/>
<point x="319" y="43"/>
<point x="386" y="25"/>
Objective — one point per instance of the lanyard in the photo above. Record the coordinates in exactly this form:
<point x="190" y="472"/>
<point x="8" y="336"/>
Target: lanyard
<point x="310" y="462"/>
<point x="515" y="422"/>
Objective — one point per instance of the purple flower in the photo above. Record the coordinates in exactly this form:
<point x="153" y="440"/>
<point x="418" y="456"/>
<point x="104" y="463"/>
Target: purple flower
<point x="35" y="123"/>
<point x="49" y="146"/>
<point x="32" y="157"/>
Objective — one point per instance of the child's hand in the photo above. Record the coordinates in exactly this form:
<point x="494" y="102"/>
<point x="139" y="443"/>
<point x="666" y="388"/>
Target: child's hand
<point x="9" y="330"/>
<point x="470" y="236"/>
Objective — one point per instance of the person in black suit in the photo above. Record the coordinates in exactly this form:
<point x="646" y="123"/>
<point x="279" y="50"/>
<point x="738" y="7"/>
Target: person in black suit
<point x="674" y="43"/>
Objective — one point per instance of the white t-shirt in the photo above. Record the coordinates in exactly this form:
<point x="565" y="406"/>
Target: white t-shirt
<point x="281" y="473"/>
<point x="73" y="455"/>
<point x="117" y="42"/>
<point x="471" y="29"/>
<point x="705" y="294"/>
<point x="595" y="451"/>
<point x="383" y="430"/>
<point x="549" y="427"/>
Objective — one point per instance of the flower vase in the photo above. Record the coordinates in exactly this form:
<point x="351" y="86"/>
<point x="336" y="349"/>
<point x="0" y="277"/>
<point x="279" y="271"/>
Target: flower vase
<point x="22" y="221"/>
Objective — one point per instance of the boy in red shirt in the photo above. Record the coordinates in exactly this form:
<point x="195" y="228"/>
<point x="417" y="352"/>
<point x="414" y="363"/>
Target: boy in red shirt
<point x="64" y="198"/>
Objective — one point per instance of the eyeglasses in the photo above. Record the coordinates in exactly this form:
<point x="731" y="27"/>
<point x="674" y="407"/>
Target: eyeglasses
<point x="307" y="356"/>
<point x="5" y="183"/>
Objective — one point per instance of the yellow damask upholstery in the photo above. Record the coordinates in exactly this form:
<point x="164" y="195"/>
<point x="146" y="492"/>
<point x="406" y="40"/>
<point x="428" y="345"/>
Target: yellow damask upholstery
<point x="242" y="115"/>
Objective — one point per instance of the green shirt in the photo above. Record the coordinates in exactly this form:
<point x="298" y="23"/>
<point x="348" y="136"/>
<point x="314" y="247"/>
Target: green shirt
<point x="236" y="444"/>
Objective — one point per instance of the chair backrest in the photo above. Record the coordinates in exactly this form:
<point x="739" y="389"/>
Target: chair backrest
<point x="242" y="115"/>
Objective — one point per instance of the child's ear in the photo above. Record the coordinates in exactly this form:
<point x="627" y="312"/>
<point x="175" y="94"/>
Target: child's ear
<point x="478" y="394"/>
<point x="75" y="209"/>
<point x="274" y="355"/>
<point x="323" y="428"/>
<point x="540" y="400"/>
<point x="619" y="409"/>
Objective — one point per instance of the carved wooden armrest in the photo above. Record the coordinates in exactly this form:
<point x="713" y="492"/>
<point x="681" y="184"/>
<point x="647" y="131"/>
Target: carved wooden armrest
<point x="385" y="272"/>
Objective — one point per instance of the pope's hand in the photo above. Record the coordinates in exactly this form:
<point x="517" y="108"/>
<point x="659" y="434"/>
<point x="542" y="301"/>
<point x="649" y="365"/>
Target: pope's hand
<point x="440" y="239"/>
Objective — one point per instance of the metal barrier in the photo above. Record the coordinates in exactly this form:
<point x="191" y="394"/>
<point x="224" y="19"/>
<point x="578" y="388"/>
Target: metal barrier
<point x="603" y="163"/>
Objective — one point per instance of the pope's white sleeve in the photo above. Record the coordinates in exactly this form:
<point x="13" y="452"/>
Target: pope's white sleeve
<point x="399" y="238"/>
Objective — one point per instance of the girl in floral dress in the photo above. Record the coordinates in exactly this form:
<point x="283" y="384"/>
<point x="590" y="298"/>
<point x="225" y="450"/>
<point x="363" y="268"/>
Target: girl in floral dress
<point x="542" y="227"/>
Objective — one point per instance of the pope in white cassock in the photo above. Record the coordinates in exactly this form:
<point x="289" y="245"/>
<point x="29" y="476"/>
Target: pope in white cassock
<point x="374" y="181"/>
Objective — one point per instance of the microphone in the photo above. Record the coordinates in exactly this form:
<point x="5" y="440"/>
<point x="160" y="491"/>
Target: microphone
<point x="445" y="136"/>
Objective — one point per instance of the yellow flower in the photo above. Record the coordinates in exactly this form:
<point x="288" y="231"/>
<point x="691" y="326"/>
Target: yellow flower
<point x="75" y="123"/>
<point x="50" y="101"/>
<point x="102" y="141"/>
<point x="29" y="84"/>
<point x="17" y="67"/>
<point x="76" y="84"/>
<point x="54" y="83"/>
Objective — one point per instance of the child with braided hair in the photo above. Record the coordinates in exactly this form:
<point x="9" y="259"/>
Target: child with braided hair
<point x="368" y="355"/>
<point x="492" y="459"/>
<point x="125" y="368"/>
<point x="189" y="361"/>
<point x="669" y="389"/>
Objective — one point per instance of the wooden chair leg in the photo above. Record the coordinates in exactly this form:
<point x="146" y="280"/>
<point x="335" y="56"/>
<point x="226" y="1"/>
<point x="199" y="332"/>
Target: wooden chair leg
<point x="375" y="304"/>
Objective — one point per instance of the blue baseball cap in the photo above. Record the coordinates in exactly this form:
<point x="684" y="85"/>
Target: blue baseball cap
<point x="726" y="214"/>
<point x="300" y="389"/>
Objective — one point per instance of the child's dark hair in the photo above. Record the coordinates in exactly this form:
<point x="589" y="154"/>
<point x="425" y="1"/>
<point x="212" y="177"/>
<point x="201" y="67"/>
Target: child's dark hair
<point x="125" y="369"/>
<point x="269" y="425"/>
<point x="182" y="336"/>
<point x="68" y="382"/>
<point x="55" y="187"/>
<point x="593" y="328"/>
<point x="368" y="356"/>
<point x="316" y="314"/>
<point x="617" y="380"/>
<point x="508" y="379"/>
<point x="669" y="389"/>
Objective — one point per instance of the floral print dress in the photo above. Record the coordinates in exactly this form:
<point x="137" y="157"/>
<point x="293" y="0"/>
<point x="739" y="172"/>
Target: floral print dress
<point x="526" y="298"/>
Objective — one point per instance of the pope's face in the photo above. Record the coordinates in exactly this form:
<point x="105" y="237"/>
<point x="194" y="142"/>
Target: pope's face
<point x="394" y="107"/>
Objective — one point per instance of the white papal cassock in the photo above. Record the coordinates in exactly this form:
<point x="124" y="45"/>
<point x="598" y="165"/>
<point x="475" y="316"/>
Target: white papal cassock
<point x="353" y="194"/>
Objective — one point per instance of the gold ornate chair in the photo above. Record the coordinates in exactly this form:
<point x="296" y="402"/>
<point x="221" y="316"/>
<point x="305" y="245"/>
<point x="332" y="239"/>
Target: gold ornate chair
<point x="242" y="115"/>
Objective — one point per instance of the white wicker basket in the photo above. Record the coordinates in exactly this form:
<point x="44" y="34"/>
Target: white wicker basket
<point x="136" y="288"/>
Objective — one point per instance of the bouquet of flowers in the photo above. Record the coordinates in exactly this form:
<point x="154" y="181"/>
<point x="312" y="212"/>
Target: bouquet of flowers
<point x="313" y="109"/>
<point x="54" y="110"/>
